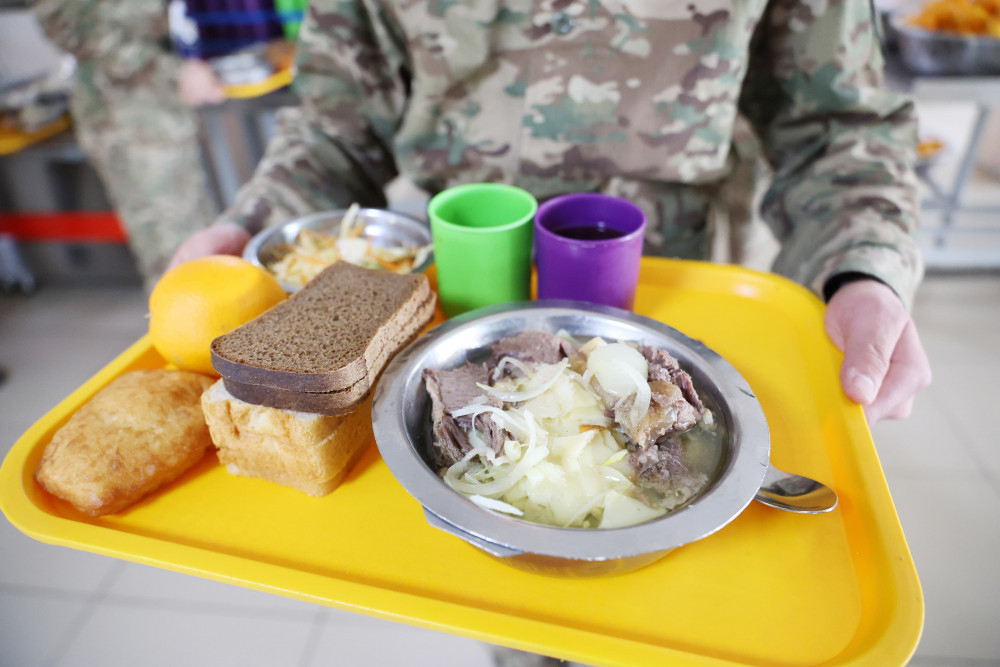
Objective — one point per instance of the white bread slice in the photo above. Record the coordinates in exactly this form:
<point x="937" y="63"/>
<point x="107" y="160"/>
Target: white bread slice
<point x="309" y="452"/>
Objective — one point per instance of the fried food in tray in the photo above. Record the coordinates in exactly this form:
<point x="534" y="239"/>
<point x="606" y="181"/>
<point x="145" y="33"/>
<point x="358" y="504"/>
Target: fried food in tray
<point x="142" y="430"/>
<point x="980" y="18"/>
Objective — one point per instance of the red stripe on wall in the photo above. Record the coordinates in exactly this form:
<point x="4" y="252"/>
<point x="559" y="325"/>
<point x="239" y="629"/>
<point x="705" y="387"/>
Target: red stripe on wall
<point x="93" y="226"/>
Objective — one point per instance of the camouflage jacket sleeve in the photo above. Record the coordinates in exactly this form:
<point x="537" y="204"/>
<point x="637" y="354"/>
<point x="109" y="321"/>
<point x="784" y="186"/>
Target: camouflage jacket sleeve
<point x="334" y="149"/>
<point x="843" y="199"/>
<point x="121" y="37"/>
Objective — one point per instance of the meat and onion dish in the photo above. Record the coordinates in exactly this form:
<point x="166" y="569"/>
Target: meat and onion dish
<point x="584" y="434"/>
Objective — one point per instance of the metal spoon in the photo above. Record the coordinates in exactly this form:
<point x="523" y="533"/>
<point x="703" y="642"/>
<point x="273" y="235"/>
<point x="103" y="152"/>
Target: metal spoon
<point x="795" y="493"/>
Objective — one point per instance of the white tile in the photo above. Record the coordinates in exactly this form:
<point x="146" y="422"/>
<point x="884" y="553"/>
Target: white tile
<point x="54" y="341"/>
<point x="151" y="637"/>
<point x="80" y="310"/>
<point x="10" y="431"/>
<point x="155" y="585"/>
<point x="938" y="661"/>
<point x="43" y="369"/>
<point x="957" y="317"/>
<point x="952" y="526"/>
<point x="28" y="564"/>
<point x="362" y="641"/>
<point x="973" y="413"/>
<point x="33" y="627"/>
<point x="48" y="369"/>
<point x="924" y="442"/>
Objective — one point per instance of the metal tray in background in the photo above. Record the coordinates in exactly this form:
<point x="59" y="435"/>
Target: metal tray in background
<point x="942" y="54"/>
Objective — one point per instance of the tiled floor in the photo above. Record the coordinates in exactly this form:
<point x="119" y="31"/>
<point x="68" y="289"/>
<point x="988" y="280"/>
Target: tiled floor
<point x="64" y="607"/>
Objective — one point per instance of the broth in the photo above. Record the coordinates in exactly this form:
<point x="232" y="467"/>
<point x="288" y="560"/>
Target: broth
<point x="573" y="453"/>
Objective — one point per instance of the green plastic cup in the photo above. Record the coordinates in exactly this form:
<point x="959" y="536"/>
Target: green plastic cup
<point x="482" y="245"/>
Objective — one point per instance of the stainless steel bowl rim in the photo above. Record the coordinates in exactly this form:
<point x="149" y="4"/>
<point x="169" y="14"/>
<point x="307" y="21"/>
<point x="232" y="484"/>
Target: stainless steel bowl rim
<point x="287" y="232"/>
<point x="399" y="444"/>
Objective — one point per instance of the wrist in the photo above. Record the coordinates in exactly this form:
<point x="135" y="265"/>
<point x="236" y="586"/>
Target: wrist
<point x="838" y="281"/>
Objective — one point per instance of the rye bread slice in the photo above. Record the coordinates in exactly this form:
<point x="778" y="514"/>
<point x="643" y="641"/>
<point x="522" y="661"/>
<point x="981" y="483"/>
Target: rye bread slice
<point x="331" y="403"/>
<point x="331" y="334"/>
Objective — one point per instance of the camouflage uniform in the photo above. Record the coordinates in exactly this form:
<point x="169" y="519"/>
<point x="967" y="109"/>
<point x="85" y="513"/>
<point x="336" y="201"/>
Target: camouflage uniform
<point x="130" y="121"/>
<point x="636" y="98"/>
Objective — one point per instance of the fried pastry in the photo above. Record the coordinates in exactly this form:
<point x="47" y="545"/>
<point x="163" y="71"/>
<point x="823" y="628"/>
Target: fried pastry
<point x="141" y="431"/>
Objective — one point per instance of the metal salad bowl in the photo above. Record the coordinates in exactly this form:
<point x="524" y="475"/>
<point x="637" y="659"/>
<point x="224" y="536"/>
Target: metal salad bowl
<point x="382" y="227"/>
<point x="941" y="54"/>
<point x="402" y="424"/>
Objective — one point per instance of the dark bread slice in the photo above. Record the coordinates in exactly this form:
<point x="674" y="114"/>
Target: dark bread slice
<point x="331" y="403"/>
<point x="330" y="334"/>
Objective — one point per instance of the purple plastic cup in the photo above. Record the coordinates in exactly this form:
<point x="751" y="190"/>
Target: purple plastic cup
<point x="588" y="247"/>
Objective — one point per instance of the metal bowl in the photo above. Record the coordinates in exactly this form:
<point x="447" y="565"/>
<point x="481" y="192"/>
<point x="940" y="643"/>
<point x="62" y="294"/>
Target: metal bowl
<point x="383" y="227"/>
<point x="402" y="424"/>
<point x="940" y="54"/>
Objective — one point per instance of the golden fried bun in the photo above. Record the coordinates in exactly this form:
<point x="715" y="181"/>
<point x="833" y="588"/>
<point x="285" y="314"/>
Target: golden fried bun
<point x="142" y="430"/>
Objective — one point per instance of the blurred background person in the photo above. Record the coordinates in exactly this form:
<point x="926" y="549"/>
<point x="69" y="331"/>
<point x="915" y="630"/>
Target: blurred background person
<point x="132" y="108"/>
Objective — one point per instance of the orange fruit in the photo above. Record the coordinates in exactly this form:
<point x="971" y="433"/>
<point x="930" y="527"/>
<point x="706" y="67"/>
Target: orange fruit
<point x="201" y="299"/>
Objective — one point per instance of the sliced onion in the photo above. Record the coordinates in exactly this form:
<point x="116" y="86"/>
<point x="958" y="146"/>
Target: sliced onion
<point x="492" y="480"/>
<point x="616" y="457"/>
<point x="354" y="251"/>
<point x="483" y="452"/>
<point x="615" y="475"/>
<point x="495" y="505"/>
<point x="511" y="361"/>
<point x="643" y="394"/>
<point x="586" y="507"/>
<point x="421" y="255"/>
<point x="501" y="418"/>
<point x="499" y="484"/>
<point x="475" y="439"/>
<point x="531" y="392"/>
<point x="610" y="365"/>
<point x="347" y="222"/>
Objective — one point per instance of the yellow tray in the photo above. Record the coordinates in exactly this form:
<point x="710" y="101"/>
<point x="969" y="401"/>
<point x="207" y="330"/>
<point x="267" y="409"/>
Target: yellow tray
<point x="276" y="81"/>
<point x="771" y="588"/>
<point x="12" y="141"/>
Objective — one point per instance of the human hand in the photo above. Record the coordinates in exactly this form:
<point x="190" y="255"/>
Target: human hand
<point x="884" y="363"/>
<point x="198" y="84"/>
<point x="224" y="238"/>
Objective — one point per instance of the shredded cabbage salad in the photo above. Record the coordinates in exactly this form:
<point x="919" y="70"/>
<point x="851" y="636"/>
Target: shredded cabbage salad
<point x="563" y="465"/>
<point x="313" y="251"/>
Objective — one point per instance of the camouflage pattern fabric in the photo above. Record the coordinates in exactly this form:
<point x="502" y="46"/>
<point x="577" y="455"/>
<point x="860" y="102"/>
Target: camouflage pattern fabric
<point x="635" y="98"/>
<point x="130" y="121"/>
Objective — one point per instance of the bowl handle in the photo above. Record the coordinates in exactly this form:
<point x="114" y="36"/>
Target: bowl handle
<point x="493" y="548"/>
